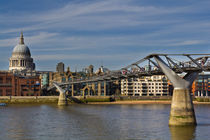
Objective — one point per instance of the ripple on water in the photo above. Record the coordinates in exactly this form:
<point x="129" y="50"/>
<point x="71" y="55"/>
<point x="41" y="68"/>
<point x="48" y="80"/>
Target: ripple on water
<point x="97" y="122"/>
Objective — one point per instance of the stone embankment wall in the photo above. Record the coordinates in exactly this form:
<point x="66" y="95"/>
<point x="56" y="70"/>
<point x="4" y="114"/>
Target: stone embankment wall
<point x="86" y="99"/>
<point x="127" y="98"/>
<point x="28" y="99"/>
<point x="202" y="99"/>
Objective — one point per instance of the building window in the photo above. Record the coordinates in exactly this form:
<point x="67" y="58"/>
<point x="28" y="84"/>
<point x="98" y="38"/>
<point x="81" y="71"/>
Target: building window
<point x="8" y="80"/>
<point x="36" y="89"/>
<point x="1" y="80"/>
<point x="63" y="79"/>
<point x="1" y="92"/>
<point x="8" y="92"/>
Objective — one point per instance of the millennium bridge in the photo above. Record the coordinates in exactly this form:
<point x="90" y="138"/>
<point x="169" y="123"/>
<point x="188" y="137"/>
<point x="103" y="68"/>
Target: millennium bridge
<point x="182" y="110"/>
<point x="178" y="63"/>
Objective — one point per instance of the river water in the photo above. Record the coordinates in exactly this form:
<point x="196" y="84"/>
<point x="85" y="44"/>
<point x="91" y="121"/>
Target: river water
<point x="98" y="122"/>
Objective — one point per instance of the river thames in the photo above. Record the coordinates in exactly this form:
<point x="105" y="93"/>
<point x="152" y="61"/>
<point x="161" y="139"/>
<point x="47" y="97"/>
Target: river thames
<point x="98" y="122"/>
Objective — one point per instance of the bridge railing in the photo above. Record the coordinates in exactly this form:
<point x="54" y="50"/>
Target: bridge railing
<point x="148" y="66"/>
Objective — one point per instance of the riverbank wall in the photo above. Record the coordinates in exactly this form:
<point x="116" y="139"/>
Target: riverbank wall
<point x="52" y="99"/>
<point x="97" y="99"/>
<point x="136" y="98"/>
<point x="28" y="99"/>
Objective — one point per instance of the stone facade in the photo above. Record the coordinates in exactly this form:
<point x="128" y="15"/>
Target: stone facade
<point x="61" y="76"/>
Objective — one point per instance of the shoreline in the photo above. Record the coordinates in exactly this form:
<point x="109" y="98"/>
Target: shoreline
<point x="89" y="100"/>
<point x="133" y="102"/>
<point x="142" y="102"/>
<point x="109" y="103"/>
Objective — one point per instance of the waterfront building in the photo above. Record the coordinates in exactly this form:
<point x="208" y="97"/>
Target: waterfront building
<point x="17" y="85"/>
<point x="62" y="76"/>
<point x="21" y="57"/>
<point x="44" y="77"/>
<point x="201" y="86"/>
<point x="100" y="88"/>
<point x="7" y="84"/>
<point x="29" y="86"/>
<point x="156" y="85"/>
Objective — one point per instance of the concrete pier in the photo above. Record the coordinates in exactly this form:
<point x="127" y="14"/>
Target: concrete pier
<point x="182" y="110"/>
<point x="62" y="100"/>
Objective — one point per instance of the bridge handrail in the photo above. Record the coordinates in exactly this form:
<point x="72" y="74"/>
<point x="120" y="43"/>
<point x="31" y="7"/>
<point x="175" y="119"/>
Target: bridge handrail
<point x="184" y="66"/>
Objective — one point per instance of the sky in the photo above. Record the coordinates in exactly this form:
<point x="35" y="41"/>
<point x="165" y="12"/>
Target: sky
<point x="112" y="33"/>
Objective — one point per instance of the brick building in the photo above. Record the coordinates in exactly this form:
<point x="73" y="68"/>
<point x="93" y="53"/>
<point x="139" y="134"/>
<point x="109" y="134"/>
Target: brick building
<point x="7" y="84"/>
<point x="15" y="85"/>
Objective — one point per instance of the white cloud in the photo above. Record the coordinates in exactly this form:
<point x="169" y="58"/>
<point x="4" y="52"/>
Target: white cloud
<point x="85" y="57"/>
<point x="8" y="42"/>
<point x="98" y="15"/>
<point x="188" y="42"/>
<point x="35" y="39"/>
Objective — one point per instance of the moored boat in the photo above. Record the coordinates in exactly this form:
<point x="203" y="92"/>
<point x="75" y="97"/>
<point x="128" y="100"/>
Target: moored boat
<point x="3" y="104"/>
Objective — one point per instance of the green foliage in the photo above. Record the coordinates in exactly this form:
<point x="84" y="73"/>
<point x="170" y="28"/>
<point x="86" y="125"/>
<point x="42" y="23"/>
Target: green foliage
<point x="183" y="117"/>
<point x="203" y="99"/>
<point x="29" y="100"/>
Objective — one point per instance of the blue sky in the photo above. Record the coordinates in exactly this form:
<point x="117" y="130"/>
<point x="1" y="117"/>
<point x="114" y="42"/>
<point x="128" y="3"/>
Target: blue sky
<point x="114" y="33"/>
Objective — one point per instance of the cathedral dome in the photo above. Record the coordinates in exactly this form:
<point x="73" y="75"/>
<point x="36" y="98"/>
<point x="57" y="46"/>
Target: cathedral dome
<point x="21" y="48"/>
<point x="21" y="57"/>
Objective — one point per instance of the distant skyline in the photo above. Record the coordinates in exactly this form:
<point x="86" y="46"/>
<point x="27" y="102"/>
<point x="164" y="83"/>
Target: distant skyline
<point x="114" y="33"/>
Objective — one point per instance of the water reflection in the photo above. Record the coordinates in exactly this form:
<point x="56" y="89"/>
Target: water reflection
<point x="60" y="108"/>
<point x="182" y="132"/>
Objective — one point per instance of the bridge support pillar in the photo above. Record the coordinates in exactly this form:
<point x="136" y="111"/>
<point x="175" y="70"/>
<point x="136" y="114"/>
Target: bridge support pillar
<point x="72" y="90"/>
<point x="182" y="110"/>
<point x="62" y="100"/>
<point x="99" y="88"/>
<point x="104" y="88"/>
<point x="93" y="88"/>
